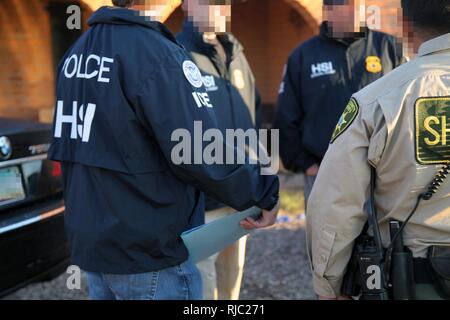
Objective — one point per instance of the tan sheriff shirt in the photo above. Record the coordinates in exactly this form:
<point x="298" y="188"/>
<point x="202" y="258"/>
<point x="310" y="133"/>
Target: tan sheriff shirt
<point x="399" y="124"/>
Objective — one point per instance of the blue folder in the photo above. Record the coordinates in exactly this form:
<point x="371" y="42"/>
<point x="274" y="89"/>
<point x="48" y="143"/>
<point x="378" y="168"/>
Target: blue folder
<point x="215" y="236"/>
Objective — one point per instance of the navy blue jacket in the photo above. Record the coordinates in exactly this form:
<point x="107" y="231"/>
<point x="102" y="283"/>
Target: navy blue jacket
<point x="126" y="201"/>
<point x="231" y="85"/>
<point x="319" y="79"/>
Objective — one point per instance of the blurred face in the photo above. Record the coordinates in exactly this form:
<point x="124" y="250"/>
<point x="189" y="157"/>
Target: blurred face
<point x="343" y="18"/>
<point x="155" y="9"/>
<point x="209" y="15"/>
<point x="412" y="39"/>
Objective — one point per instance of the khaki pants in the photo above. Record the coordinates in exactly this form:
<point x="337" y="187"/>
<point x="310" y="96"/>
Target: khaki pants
<point x="222" y="272"/>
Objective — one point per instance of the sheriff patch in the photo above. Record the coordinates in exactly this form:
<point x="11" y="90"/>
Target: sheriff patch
<point x="347" y="118"/>
<point x="432" y="128"/>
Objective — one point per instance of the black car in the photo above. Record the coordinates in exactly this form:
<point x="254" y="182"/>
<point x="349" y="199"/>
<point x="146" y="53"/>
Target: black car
<point x="33" y="245"/>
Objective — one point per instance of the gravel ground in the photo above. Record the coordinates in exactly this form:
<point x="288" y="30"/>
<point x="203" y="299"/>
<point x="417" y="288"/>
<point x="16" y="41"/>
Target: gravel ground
<point x="276" y="268"/>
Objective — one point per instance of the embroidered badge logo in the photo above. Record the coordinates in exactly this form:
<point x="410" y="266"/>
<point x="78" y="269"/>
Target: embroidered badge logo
<point x="322" y="69"/>
<point x="192" y="74"/>
<point x="347" y="118"/>
<point x="210" y="83"/>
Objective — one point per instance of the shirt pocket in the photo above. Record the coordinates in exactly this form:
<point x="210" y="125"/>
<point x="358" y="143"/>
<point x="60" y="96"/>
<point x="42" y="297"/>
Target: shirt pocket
<point x="323" y="254"/>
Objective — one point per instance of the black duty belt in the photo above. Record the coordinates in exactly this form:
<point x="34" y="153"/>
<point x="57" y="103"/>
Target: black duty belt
<point x="422" y="274"/>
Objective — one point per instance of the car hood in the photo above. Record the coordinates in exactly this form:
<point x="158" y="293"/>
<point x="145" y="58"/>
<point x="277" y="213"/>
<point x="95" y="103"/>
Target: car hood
<point x="13" y="126"/>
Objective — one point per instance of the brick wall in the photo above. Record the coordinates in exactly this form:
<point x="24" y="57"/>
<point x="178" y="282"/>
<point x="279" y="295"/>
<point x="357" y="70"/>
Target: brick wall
<point x="286" y="30"/>
<point x="26" y="66"/>
<point x="269" y="34"/>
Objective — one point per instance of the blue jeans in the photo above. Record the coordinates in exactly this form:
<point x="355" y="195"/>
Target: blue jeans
<point x="181" y="282"/>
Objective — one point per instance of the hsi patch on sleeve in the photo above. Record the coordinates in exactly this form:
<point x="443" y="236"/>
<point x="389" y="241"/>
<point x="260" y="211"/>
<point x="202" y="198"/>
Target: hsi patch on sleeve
<point x="432" y="128"/>
<point x="347" y="118"/>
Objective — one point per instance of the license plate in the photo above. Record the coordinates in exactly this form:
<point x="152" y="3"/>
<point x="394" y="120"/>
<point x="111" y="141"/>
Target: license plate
<point x="11" y="187"/>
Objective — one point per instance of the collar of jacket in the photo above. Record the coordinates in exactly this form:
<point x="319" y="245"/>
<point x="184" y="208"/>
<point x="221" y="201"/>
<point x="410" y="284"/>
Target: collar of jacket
<point x="324" y="32"/>
<point x="438" y="44"/>
<point x="115" y="15"/>
<point x="229" y="42"/>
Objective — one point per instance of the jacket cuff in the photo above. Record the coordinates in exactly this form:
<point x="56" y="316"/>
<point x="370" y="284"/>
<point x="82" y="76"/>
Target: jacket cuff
<point x="327" y="288"/>
<point x="270" y="201"/>
<point x="305" y="161"/>
<point x="270" y="205"/>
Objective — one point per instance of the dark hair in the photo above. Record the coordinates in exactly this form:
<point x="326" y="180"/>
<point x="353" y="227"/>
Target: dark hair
<point x="122" y="3"/>
<point x="430" y="15"/>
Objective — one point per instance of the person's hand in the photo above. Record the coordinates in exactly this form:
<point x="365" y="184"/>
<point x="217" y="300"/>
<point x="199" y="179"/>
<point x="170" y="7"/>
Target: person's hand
<point x="267" y="219"/>
<point x="313" y="170"/>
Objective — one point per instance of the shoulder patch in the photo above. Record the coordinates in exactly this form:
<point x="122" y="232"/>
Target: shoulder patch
<point x="192" y="74"/>
<point x="432" y="130"/>
<point x="347" y="118"/>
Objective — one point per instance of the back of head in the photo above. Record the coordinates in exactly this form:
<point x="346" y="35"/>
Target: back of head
<point x="123" y="3"/>
<point x="428" y="16"/>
